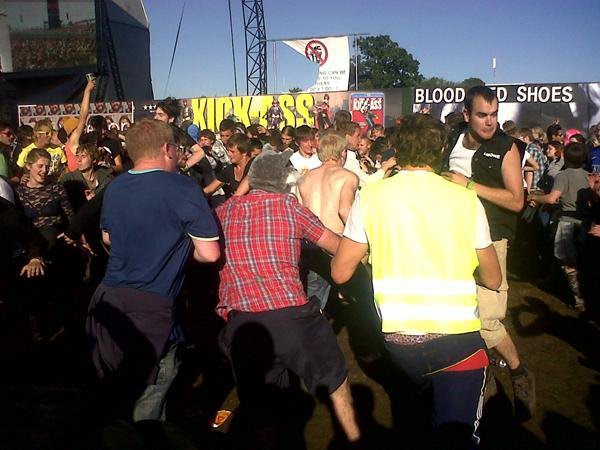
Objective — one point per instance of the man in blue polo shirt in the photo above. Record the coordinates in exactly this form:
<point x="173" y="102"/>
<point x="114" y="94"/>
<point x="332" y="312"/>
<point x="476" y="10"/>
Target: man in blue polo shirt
<point x="152" y="218"/>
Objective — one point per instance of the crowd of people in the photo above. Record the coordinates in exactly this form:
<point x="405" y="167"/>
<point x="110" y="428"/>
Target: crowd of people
<point x="68" y="46"/>
<point x="410" y="225"/>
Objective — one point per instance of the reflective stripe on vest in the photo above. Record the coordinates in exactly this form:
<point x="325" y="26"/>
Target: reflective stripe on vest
<point x="420" y="318"/>
<point x="425" y="287"/>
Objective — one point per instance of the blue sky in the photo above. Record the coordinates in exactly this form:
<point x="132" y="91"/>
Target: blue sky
<point x="534" y="41"/>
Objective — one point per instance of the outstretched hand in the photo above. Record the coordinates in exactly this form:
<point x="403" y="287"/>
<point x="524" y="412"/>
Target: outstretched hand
<point x="91" y="84"/>
<point x="34" y="268"/>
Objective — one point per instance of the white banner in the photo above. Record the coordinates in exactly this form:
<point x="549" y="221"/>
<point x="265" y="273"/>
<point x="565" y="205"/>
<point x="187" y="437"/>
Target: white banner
<point x="333" y="56"/>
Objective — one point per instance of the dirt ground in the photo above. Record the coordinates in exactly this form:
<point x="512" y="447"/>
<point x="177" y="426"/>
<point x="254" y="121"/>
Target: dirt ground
<point x="47" y="400"/>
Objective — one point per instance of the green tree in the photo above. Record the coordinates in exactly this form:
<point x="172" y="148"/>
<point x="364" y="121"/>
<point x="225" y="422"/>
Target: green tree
<point x="437" y="82"/>
<point x="382" y="64"/>
<point x="295" y="90"/>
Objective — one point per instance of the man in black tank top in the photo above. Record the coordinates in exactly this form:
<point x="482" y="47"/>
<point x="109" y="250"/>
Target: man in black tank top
<point x="481" y="157"/>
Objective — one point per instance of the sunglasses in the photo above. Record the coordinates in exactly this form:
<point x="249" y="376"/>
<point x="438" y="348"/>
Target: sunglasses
<point x="7" y="133"/>
<point x="45" y="133"/>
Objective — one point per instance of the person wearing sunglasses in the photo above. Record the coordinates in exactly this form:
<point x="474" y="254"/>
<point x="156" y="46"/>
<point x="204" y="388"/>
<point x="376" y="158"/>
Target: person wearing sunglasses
<point x="7" y="137"/>
<point x="42" y="138"/>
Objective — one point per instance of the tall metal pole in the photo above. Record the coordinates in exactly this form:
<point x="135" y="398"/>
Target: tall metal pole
<point x="275" y="66"/>
<point x="355" y="63"/>
<point x="232" y="48"/>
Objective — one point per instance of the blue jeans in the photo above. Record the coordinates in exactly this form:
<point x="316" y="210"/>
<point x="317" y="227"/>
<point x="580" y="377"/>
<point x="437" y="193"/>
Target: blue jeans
<point x="318" y="287"/>
<point x="453" y="399"/>
<point x="151" y="405"/>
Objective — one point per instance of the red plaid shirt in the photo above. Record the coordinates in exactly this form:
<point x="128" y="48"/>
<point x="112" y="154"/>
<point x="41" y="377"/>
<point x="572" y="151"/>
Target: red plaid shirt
<point x="262" y="234"/>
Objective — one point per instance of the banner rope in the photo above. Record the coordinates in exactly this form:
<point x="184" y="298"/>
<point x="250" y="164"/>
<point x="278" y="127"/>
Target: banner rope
<point x="174" y="50"/>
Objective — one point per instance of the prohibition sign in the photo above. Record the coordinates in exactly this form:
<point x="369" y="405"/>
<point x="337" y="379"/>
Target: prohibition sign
<point x="316" y="52"/>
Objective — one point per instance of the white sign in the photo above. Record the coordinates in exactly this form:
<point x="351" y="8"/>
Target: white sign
<point x="332" y="54"/>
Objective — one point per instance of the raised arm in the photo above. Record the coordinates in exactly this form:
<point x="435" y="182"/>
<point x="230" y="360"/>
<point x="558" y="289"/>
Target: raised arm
<point x="83" y="116"/>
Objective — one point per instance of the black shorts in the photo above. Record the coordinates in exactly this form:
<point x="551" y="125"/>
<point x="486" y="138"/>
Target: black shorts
<point x="263" y="346"/>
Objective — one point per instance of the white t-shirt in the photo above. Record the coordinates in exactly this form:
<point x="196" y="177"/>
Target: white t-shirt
<point x="302" y="164"/>
<point x="355" y="228"/>
<point x="526" y="156"/>
<point x="460" y="158"/>
<point x="353" y="165"/>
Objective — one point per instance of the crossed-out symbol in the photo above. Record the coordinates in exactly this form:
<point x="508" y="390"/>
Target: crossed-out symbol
<point x="316" y="52"/>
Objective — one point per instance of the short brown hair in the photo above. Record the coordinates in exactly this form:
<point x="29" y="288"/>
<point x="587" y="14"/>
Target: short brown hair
<point x="241" y="142"/>
<point x="348" y="128"/>
<point x="303" y="133"/>
<point x="525" y="132"/>
<point x="37" y="153"/>
<point x="341" y="116"/>
<point x="558" y="147"/>
<point x="145" y="138"/>
<point x="91" y="149"/>
<point x="418" y="141"/>
<point x="509" y="126"/>
<point x="206" y="133"/>
<point x="331" y="146"/>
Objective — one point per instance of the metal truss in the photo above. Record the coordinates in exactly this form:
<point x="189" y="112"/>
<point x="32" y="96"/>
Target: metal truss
<point x="256" y="47"/>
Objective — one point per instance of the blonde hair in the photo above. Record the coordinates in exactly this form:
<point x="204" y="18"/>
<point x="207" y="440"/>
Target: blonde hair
<point x="331" y="146"/>
<point x="539" y="135"/>
<point x="43" y="125"/>
<point x="145" y="138"/>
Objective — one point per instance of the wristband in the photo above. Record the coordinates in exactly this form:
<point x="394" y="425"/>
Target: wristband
<point x="470" y="185"/>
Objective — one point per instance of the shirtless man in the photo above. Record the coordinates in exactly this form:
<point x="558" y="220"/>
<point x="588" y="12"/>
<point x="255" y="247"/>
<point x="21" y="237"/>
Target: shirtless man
<point x="328" y="191"/>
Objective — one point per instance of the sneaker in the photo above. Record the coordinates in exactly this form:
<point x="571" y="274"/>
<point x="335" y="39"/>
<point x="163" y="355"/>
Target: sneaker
<point x="524" y="394"/>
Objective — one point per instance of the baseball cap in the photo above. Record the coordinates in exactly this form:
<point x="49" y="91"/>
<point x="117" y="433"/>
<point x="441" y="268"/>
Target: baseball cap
<point x="70" y="123"/>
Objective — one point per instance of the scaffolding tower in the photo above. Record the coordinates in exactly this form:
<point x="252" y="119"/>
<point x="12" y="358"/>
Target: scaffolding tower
<point x="256" y="47"/>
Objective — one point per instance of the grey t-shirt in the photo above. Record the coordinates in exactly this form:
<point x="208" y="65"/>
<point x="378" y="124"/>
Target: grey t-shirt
<point x="572" y="184"/>
<point x="555" y="166"/>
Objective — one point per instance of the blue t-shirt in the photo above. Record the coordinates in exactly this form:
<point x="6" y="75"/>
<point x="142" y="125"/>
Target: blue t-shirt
<point x="150" y="217"/>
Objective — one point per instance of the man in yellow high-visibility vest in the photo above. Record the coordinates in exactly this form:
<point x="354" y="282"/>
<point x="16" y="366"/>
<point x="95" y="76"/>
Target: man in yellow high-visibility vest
<point x="426" y="239"/>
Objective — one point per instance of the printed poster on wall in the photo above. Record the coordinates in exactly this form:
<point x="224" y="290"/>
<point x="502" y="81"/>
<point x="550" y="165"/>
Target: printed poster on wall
<point x="367" y="109"/>
<point x="118" y="115"/>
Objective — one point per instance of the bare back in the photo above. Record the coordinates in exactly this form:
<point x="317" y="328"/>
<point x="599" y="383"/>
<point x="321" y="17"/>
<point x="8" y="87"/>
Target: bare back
<point x="328" y="191"/>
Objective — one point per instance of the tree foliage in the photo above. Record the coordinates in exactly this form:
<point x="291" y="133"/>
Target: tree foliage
<point x="437" y="82"/>
<point x="295" y="90"/>
<point x="434" y="82"/>
<point x="382" y="64"/>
